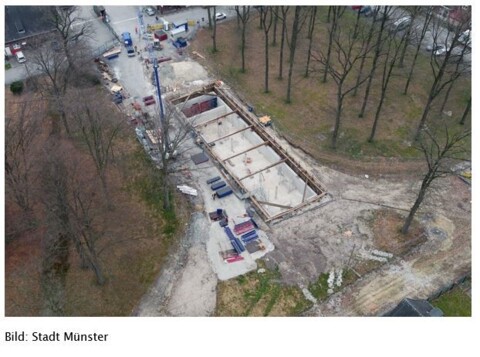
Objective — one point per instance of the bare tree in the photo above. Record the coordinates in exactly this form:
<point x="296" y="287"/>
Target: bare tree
<point x="72" y="29"/>
<point x="337" y="12"/>
<point x="243" y="17"/>
<point x="457" y="59"/>
<point x="21" y="133"/>
<point x="86" y="236"/>
<point x="466" y="111"/>
<point x="210" y="17"/>
<point x="439" y="152"/>
<point x="378" y="48"/>
<point x="214" y="34"/>
<point x="369" y="39"/>
<point x="348" y="50"/>
<point x="53" y="86"/>
<point x="275" y="25"/>
<point x="98" y="127"/>
<point x="413" y="16"/>
<point x="297" y="24"/>
<point x="267" y="18"/>
<point x="58" y="236"/>
<point x="284" y="10"/>
<point x="419" y="39"/>
<point x="442" y="73"/>
<point x="389" y="62"/>
<point x="311" y="27"/>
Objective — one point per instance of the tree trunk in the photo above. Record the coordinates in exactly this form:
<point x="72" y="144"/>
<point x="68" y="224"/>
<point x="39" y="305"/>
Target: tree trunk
<point x="329" y="13"/>
<point x="330" y="42"/>
<point x="445" y="98"/>
<point x="275" y="23"/>
<point x="310" y="36"/>
<point x="377" y="115"/>
<point x="410" y="74"/>
<point x="293" y="45"/>
<point x="416" y="205"/>
<point x="417" y="51"/>
<point x="266" y="61"/>
<point x="209" y="18"/>
<point x="378" y="47"/>
<point x="282" y="44"/>
<point x="338" y="115"/>
<point x="54" y="270"/>
<point x="465" y="113"/>
<point x="214" y="36"/>
<point x="243" y="49"/>
<point x="362" y="63"/>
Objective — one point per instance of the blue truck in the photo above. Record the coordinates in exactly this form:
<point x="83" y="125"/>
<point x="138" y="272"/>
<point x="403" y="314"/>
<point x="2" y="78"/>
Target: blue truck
<point x="127" y="40"/>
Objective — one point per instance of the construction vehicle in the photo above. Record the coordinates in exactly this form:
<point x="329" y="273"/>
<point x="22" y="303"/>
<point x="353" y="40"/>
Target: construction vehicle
<point x="157" y="45"/>
<point x="127" y="40"/>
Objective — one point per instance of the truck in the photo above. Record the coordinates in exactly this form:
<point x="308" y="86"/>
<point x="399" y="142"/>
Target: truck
<point x="100" y="12"/>
<point x="127" y="40"/>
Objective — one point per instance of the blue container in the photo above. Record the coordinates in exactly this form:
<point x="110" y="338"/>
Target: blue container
<point x="218" y="185"/>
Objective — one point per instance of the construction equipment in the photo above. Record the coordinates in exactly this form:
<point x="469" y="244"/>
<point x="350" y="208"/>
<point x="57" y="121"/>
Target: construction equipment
<point x="157" y="45"/>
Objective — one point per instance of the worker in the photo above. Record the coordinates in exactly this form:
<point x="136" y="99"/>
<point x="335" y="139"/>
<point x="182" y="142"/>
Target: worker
<point x="214" y="195"/>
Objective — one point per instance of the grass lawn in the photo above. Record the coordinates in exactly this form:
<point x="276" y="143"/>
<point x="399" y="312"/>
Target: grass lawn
<point x="455" y="302"/>
<point x="308" y="120"/>
<point x="259" y="294"/>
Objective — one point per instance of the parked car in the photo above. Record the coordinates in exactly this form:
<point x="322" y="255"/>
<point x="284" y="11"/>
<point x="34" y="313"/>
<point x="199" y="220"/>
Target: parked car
<point x="401" y="24"/>
<point x="220" y="16"/>
<point x="466" y="38"/>
<point x="150" y="11"/>
<point x="20" y="57"/>
<point x="440" y="50"/>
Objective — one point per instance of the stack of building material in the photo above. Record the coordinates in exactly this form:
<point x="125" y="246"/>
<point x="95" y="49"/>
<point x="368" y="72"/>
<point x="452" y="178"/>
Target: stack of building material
<point x="248" y="237"/>
<point x="244" y="227"/>
<point x="212" y="180"/>
<point x="224" y="191"/>
<point x="215" y="186"/>
<point x="149" y="100"/>
<point x="188" y="190"/>
<point x="236" y="243"/>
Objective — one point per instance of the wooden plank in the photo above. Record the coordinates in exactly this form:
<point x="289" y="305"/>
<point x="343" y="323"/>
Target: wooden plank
<point x="305" y="190"/>
<point x="212" y="120"/>
<point x="274" y="204"/>
<point x="226" y="136"/>
<point x="245" y="151"/>
<point x="265" y="168"/>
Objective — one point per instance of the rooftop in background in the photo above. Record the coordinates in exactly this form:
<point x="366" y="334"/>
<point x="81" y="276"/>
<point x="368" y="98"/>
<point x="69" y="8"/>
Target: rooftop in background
<point x="22" y="22"/>
<point x="412" y="308"/>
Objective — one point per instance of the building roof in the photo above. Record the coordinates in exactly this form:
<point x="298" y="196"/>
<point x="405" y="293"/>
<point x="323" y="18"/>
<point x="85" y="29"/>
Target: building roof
<point x="22" y="22"/>
<point x="410" y="307"/>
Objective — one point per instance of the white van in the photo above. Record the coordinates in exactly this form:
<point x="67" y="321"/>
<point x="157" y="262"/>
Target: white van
<point x="20" y="57"/>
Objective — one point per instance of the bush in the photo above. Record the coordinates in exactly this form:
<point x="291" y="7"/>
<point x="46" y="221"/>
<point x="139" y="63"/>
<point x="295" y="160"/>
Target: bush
<point x="16" y="87"/>
<point x="8" y="66"/>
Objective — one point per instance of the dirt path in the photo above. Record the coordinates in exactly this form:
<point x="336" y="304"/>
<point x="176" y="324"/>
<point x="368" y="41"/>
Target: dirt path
<point x="443" y="259"/>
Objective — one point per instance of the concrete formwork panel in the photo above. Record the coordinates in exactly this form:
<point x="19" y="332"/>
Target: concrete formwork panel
<point x="277" y="183"/>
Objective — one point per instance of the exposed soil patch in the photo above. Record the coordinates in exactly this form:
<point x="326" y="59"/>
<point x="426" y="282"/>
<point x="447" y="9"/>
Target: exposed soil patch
<point x="386" y="228"/>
